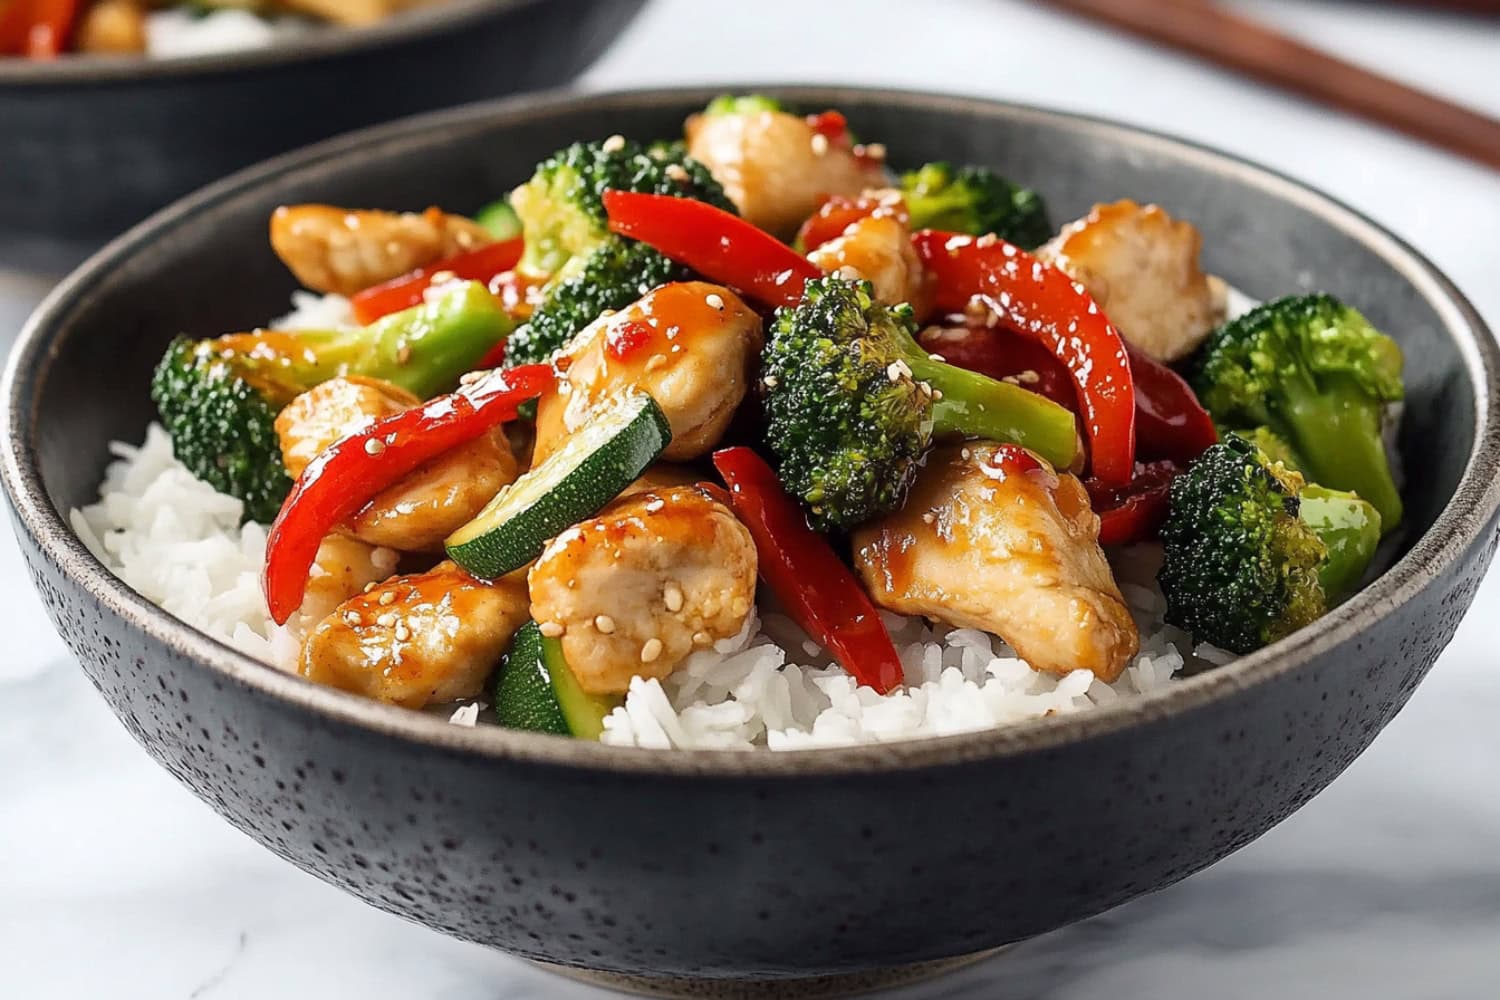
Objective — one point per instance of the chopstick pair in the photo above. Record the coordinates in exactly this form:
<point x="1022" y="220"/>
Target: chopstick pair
<point x="1212" y="33"/>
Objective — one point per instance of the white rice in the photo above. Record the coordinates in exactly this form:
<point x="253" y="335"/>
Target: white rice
<point x="180" y="543"/>
<point x="176" y="32"/>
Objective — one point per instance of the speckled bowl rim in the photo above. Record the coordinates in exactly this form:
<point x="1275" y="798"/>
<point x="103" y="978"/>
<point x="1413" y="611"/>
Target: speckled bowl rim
<point x="327" y="42"/>
<point x="1457" y="528"/>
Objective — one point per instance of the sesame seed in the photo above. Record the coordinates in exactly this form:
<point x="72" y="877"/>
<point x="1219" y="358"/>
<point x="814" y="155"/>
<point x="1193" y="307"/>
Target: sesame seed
<point x="369" y="587"/>
<point x="714" y="300"/>
<point x="386" y="620"/>
<point x="1010" y="379"/>
<point x="936" y="357"/>
<point x="651" y="650"/>
<point x="966" y="453"/>
<point x="769" y="381"/>
<point x="550" y="629"/>
<point x="402" y="632"/>
<point x="929" y="517"/>
<point x="937" y="394"/>
<point x="655" y="504"/>
<point x="388" y="598"/>
<point x="1028" y="377"/>
<point x="702" y="638"/>
<point x="672" y="597"/>
<point x="987" y="240"/>
<point x="897" y="370"/>
<point x="353" y="618"/>
<point x="873" y="150"/>
<point x="675" y="172"/>
<point x="819" y="144"/>
<point x="374" y="446"/>
<point x="604" y="623"/>
<point x="469" y="378"/>
<point x="926" y="388"/>
<point x="442" y="277"/>
<point x="613" y="144"/>
<point x="655" y="362"/>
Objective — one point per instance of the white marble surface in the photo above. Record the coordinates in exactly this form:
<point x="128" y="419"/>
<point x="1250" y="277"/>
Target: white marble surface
<point x="115" y="881"/>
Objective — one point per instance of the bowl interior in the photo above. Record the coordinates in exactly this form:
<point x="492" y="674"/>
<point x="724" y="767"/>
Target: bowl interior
<point x="208" y="268"/>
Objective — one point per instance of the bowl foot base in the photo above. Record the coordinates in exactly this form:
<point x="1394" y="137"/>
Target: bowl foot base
<point x="846" y="984"/>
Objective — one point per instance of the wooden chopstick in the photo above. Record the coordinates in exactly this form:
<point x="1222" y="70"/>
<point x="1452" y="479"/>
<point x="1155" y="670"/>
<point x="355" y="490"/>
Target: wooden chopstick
<point x="1210" y="32"/>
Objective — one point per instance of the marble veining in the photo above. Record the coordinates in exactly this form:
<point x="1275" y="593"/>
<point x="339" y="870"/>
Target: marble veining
<point x="115" y="881"/>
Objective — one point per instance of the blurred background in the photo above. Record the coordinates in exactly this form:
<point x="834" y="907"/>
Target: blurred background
<point x="112" y="877"/>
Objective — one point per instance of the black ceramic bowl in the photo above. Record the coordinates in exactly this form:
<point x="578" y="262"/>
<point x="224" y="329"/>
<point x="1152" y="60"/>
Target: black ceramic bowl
<point x="90" y="145"/>
<point x="750" y="865"/>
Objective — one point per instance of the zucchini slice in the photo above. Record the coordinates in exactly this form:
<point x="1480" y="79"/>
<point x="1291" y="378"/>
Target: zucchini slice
<point x="536" y="690"/>
<point x="594" y="464"/>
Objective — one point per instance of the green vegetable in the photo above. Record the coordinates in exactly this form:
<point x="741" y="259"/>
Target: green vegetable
<point x="536" y="690"/>
<point x="597" y="461"/>
<point x="1272" y="444"/>
<point x="562" y="210"/>
<point x="1315" y="373"/>
<point x="616" y="274"/>
<point x="1241" y="568"/>
<point x="592" y="270"/>
<point x="1350" y="529"/>
<point x="975" y="200"/>
<point x="847" y="414"/>
<point x="500" y="219"/>
<point x="744" y="104"/>
<point x="219" y="398"/>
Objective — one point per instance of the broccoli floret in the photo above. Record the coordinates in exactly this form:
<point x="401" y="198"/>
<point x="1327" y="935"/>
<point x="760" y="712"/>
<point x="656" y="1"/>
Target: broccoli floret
<point x="1273" y="445"/>
<point x="1350" y="529"/>
<point x="219" y="397"/>
<point x="615" y="275"/>
<point x="1315" y="373"/>
<point x="975" y="200"/>
<point x="1241" y="568"/>
<point x="562" y="208"/>
<point x="742" y="104"/>
<point x="852" y="404"/>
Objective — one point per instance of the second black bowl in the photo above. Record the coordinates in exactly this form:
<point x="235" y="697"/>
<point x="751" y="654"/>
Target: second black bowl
<point x="91" y="145"/>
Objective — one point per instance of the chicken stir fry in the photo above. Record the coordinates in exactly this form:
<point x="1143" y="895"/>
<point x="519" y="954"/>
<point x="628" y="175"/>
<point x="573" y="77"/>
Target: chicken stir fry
<point x="1013" y="553"/>
<point x="344" y="251"/>
<point x="635" y="415"/>
<point x="1141" y="266"/>
<point x="635" y="590"/>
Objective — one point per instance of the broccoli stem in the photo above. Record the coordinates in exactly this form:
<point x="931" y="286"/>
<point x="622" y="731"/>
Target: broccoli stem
<point x="1336" y="429"/>
<point x="423" y="349"/>
<point x="1349" y="527"/>
<point x="976" y="405"/>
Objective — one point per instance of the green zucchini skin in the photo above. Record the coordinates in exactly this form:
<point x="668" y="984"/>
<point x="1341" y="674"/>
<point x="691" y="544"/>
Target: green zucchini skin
<point x="536" y="690"/>
<point x="510" y="532"/>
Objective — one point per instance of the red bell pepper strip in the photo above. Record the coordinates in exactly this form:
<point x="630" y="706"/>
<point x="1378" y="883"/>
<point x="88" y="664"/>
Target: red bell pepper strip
<point x="51" y="26"/>
<point x="1169" y="420"/>
<point x="1041" y="302"/>
<point x="1002" y="354"/>
<point x="717" y="244"/>
<point x="353" y="470"/>
<point x="1135" y="512"/>
<point x="406" y="291"/>
<point x="838" y="213"/>
<point x="15" y="25"/>
<point x="809" y="579"/>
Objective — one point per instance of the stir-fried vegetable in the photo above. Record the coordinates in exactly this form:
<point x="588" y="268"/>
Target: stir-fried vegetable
<point x="409" y="290"/>
<point x="815" y="587"/>
<point x="975" y="200"/>
<point x="852" y="404"/>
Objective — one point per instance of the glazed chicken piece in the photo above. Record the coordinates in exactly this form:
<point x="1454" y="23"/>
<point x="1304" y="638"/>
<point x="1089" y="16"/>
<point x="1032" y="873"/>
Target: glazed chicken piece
<point x="112" y="27"/>
<point x="418" y="640"/>
<point x="346" y="250"/>
<point x="1013" y="554"/>
<point x="1141" y="267"/>
<point x="353" y="13"/>
<point x="878" y="249"/>
<point x="428" y="504"/>
<point x="776" y="167"/>
<point x="633" y="591"/>
<point x="690" y="345"/>
<point x="343" y="568"/>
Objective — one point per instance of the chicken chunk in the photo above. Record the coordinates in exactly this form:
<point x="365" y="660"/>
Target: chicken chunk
<point x="878" y="249"/>
<point x="690" y="345"/>
<point x="776" y="167"/>
<point x="425" y="506"/>
<point x="346" y="250"/>
<point x="635" y="590"/>
<point x="343" y="568"/>
<point x="1013" y="554"/>
<point x="112" y="27"/>
<point x="418" y="640"/>
<point x="1141" y="266"/>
